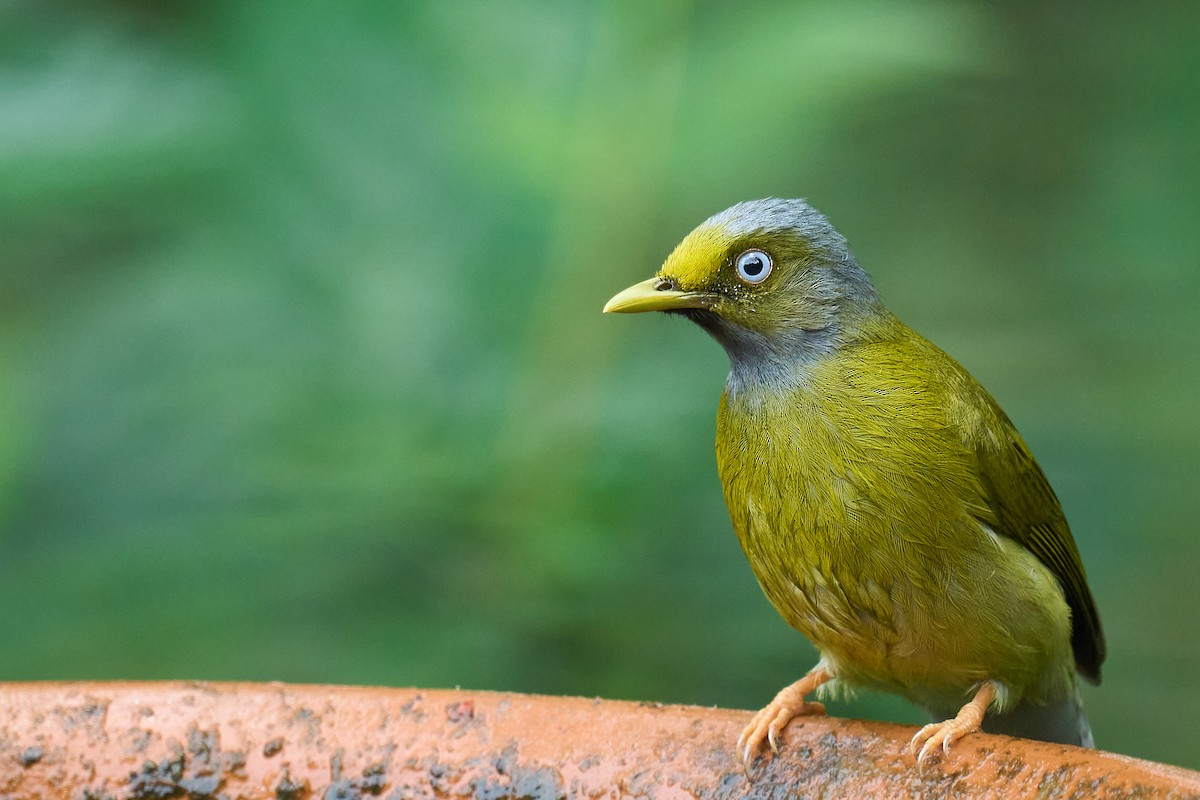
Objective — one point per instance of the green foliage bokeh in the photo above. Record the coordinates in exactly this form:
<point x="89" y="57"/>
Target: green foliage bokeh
<point x="303" y="375"/>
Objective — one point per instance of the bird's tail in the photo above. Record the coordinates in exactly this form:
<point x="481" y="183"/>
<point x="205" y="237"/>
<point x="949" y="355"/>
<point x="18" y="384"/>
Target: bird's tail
<point x="1062" y="722"/>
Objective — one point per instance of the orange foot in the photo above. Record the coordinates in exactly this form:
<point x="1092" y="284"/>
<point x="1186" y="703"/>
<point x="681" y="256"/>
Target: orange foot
<point x="943" y="734"/>
<point x="768" y="722"/>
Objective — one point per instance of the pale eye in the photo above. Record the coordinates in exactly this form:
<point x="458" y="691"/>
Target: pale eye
<point x="753" y="266"/>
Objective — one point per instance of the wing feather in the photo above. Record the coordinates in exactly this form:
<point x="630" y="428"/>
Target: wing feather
<point x="1027" y="510"/>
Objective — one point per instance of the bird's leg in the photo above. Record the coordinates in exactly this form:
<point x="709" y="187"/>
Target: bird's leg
<point x="789" y="703"/>
<point x="968" y="720"/>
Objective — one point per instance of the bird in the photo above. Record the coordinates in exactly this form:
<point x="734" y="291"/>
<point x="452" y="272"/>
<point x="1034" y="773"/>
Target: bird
<point x="888" y="507"/>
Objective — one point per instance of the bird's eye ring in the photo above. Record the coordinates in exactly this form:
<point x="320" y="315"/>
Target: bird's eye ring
<point x="753" y="266"/>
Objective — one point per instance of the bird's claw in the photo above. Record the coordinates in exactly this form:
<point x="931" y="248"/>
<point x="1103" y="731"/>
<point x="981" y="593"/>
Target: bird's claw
<point x="928" y="740"/>
<point x="935" y="736"/>
<point x="768" y="724"/>
<point x="968" y="720"/>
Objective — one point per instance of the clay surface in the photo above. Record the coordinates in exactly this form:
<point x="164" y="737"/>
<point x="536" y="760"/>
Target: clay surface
<point x="102" y="741"/>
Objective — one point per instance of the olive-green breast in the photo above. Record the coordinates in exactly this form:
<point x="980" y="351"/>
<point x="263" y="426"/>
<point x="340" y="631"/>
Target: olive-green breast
<point x="857" y="496"/>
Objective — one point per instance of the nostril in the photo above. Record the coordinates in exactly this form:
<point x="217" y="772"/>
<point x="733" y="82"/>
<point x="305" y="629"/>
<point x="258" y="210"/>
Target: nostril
<point x="665" y="284"/>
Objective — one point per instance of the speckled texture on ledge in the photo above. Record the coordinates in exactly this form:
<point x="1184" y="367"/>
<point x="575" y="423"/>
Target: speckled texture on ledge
<point x="128" y="741"/>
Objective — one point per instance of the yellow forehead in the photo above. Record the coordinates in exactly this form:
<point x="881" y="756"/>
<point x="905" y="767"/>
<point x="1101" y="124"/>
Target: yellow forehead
<point x="695" y="261"/>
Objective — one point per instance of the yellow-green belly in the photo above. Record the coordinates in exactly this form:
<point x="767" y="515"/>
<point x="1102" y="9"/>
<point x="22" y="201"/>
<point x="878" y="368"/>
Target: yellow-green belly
<point x="864" y="534"/>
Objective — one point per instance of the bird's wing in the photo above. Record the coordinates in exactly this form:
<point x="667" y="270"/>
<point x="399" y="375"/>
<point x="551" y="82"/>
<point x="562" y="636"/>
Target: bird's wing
<point x="1027" y="510"/>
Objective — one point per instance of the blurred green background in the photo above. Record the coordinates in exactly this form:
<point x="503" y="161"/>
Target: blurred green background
<point x="303" y="375"/>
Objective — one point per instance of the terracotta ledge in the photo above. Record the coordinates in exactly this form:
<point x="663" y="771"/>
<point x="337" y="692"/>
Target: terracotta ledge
<point x="110" y="741"/>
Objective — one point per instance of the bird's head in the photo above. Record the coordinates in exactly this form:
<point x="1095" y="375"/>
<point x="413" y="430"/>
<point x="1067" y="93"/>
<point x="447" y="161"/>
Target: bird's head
<point x="771" y="280"/>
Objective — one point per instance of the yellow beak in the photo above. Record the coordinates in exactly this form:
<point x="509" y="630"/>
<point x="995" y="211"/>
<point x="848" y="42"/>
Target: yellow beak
<point x="656" y="294"/>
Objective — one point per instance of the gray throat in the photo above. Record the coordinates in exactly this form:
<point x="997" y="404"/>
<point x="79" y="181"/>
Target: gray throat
<point x="780" y="362"/>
